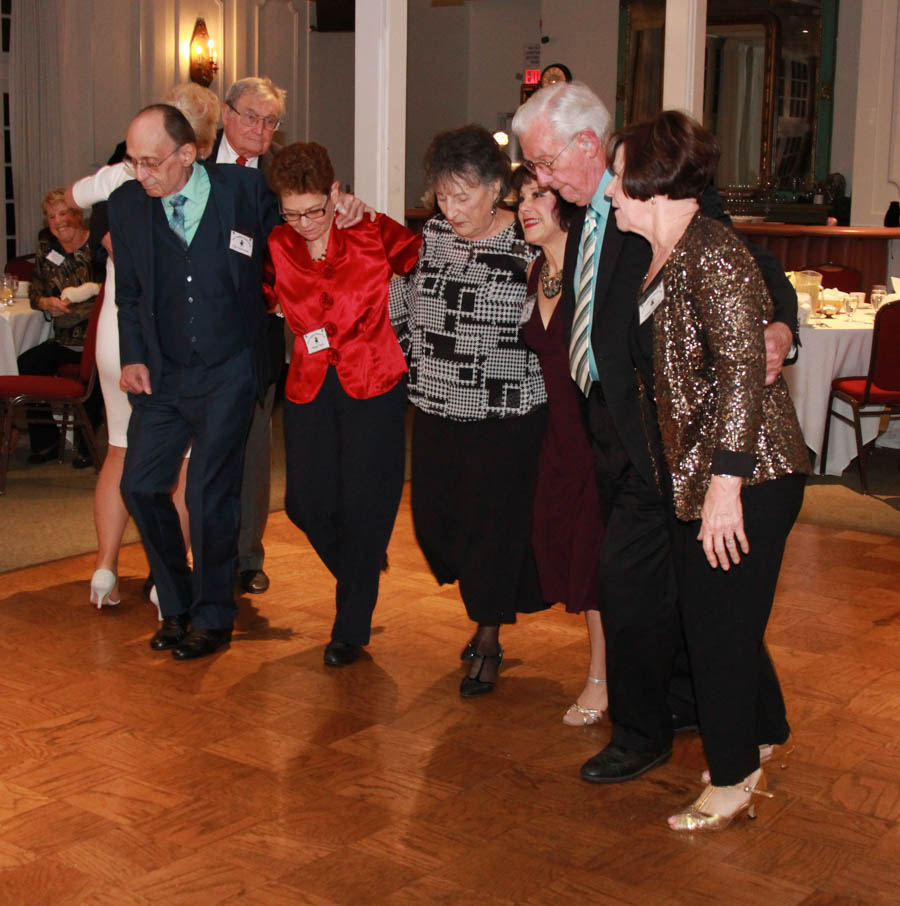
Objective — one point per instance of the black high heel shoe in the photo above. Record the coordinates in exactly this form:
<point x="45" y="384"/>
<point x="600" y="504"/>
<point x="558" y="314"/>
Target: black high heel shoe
<point x="475" y="685"/>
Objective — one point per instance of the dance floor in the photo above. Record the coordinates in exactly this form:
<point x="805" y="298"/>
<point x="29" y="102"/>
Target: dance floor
<point x="259" y="776"/>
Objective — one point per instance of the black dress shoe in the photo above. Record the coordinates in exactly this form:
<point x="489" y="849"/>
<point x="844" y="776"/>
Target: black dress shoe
<point x="469" y="651"/>
<point x="172" y="631"/>
<point x="339" y="654"/>
<point x="201" y="642"/>
<point x="254" y="581"/>
<point x="615" y="764"/>
<point x="43" y="456"/>
<point x="477" y="685"/>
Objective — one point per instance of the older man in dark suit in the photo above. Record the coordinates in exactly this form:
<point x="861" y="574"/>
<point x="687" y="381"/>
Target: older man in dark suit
<point x="563" y="132"/>
<point x="189" y="242"/>
<point x="251" y="115"/>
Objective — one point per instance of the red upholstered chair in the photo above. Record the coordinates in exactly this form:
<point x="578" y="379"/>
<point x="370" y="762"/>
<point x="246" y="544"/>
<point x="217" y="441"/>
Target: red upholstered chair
<point x="21" y="267"/>
<point x="838" y="276"/>
<point x="61" y="395"/>
<point x="879" y="388"/>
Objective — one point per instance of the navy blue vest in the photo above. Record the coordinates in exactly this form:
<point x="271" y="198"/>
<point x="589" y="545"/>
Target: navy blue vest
<point x="196" y="308"/>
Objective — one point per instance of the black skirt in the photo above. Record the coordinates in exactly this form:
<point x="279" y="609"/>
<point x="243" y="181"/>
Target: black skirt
<point x="472" y="498"/>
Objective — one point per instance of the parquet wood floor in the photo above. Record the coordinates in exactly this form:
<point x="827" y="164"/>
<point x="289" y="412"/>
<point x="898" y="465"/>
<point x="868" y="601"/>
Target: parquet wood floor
<point x="258" y="776"/>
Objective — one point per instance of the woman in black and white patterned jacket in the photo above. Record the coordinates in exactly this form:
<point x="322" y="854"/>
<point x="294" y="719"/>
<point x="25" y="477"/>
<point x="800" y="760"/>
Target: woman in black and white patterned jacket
<point x="478" y="393"/>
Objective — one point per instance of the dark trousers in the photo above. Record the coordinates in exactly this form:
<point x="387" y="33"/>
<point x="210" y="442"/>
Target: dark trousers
<point x="256" y="484"/>
<point x="638" y="606"/>
<point x="345" y="464"/>
<point x="46" y="359"/>
<point x="739" y="700"/>
<point x="208" y="408"/>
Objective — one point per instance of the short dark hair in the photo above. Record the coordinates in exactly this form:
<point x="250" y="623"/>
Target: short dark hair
<point x="670" y="154"/>
<point x="300" y="168"/>
<point x="174" y="122"/>
<point x="469" y="152"/>
<point x="565" y="210"/>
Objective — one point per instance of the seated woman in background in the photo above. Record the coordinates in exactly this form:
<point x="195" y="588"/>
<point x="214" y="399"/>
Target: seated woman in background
<point x="345" y="396"/>
<point x="728" y="450"/>
<point x="568" y="522"/>
<point x="201" y="107"/>
<point x="63" y="287"/>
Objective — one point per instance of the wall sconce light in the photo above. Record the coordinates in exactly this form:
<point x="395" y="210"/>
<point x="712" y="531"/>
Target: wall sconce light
<point x="204" y="59"/>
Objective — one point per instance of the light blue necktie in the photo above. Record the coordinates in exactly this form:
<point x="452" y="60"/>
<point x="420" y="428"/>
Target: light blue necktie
<point x="579" y="344"/>
<point x="177" y="203"/>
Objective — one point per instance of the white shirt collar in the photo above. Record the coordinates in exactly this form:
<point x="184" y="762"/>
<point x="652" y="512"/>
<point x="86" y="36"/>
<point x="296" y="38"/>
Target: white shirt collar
<point x="227" y="154"/>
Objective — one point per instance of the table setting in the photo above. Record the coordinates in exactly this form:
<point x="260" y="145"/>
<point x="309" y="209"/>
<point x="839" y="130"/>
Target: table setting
<point x="835" y="341"/>
<point x="21" y="327"/>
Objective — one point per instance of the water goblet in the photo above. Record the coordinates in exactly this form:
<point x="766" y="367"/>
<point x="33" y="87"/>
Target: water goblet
<point x="854" y="300"/>
<point x="877" y="296"/>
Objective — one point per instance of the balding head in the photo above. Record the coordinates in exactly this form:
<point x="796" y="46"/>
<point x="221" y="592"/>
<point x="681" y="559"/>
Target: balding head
<point x="161" y="149"/>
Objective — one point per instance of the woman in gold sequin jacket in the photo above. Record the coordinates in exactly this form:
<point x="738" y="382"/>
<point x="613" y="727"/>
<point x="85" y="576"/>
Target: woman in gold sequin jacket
<point x="728" y="450"/>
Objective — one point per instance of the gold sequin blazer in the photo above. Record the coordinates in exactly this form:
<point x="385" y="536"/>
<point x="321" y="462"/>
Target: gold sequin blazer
<point x="709" y="358"/>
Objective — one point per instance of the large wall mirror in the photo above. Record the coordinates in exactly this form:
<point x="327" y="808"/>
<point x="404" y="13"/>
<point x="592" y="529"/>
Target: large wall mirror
<point x="767" y="88"/>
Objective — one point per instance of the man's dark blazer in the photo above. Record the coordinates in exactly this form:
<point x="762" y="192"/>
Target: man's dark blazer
<point x="244" y="205"/>
<point x="624" y="260"/>
<point x="275" y="324"/>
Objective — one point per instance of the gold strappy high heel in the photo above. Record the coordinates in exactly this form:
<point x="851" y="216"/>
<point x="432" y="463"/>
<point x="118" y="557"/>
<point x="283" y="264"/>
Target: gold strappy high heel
<point x="579" y="716"/>
<point x="693" y="818"/>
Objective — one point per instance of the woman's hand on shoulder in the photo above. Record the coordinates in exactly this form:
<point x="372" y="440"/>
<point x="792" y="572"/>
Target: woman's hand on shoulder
<point x="350" y="210"/>
<point x="722" y="522"/>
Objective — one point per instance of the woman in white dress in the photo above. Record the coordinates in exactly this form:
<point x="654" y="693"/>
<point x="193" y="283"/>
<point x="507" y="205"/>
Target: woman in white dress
<point x="201" y="107"/>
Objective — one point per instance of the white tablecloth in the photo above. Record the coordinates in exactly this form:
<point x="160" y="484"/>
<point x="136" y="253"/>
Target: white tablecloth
<point x="21" y="327"/>
<point x="831" y="348"/>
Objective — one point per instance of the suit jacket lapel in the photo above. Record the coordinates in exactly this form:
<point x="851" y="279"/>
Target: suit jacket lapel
<point x="613" y="238"/>
<point x="573" y="241"/>
<point x="225" y="207"/>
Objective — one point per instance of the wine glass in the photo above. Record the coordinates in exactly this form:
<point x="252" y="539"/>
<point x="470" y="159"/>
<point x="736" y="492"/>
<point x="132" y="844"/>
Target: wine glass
<point x="854" y="300"/>
<point x="877" y="296"/>
<point x="7" y="291"/>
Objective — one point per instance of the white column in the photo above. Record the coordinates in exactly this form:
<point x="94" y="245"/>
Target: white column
<point x="380" y="105"/>
<point x="685" y="51"/>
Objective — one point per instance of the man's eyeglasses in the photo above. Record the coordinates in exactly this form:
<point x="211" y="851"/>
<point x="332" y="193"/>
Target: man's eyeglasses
<point x="532" y="166"/>
<point x="148" y="163"/>
<point x="252" y="120"/>
<point x="313" y="215"/>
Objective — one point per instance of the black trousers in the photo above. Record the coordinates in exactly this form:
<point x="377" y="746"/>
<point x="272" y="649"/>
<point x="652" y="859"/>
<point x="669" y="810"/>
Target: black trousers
<point x="345" y="464"/>
<point x="639" y="601"/>
<point x="46" y="359"/>
<point x="739" y="700"/>
<point x="208" y="408"/>
<point x="472" y="501"/>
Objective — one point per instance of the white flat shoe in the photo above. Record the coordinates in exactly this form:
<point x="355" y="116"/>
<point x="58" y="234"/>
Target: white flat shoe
<point x="102" y="583"/>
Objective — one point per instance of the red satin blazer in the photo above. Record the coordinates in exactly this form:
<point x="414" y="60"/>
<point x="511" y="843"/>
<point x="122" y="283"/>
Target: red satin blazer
<point x="347" y="295"/>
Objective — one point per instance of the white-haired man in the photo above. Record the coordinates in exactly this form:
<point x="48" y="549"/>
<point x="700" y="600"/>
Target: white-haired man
<point x="563" y="131"/>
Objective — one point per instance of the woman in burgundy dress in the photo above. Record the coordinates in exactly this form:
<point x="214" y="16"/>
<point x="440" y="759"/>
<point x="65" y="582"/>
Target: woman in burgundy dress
<point x="568" y="519"/>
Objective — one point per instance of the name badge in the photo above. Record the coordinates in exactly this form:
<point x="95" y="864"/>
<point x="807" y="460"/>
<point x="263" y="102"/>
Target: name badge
<point x="54" y="257"/>
<point x="651" y="303"/>
<point x="316" y="340"/>
<point x="241" y="243"/>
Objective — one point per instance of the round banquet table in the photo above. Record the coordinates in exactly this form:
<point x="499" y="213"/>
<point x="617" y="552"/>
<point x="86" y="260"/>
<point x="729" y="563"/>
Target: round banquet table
<point x="21" y="327"/>
<point x="831" y="348"/>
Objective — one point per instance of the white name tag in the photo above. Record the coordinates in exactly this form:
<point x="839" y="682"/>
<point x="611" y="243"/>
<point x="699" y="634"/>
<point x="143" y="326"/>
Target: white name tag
<point x="316" y="340"/>
<point x="651" y="303"/>
<point x="241" y="243"/>
<point x="54" y="257"/>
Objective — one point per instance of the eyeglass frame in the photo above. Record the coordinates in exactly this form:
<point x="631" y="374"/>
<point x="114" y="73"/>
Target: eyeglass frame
<point x="131" y="165"/>
<point x="532" y="166"/>
<point x="314" y="215"/>
<point x="250" y="119"/>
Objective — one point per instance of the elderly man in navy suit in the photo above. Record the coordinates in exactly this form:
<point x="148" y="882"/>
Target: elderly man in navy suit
<point x="189" y="241"/>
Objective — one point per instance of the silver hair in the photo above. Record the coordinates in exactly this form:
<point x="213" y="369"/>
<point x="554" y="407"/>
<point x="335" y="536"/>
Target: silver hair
<point x="264" y="87"/>
<point x="568" y="108"/>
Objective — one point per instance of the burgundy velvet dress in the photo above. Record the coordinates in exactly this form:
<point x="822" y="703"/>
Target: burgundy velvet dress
<point x="568" y="516"/>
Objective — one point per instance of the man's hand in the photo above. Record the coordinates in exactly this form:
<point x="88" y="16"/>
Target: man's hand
<point x="778" y="345"/>
<point x="135" y="379"/>
<point x="350" y="211"/>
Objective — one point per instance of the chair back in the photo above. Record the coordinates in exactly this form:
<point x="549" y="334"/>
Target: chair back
<point x="21" y="267"/>
<point x="89" y="350"/>
<point x="884" y="365"/>
<point x="839" y="276"/>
